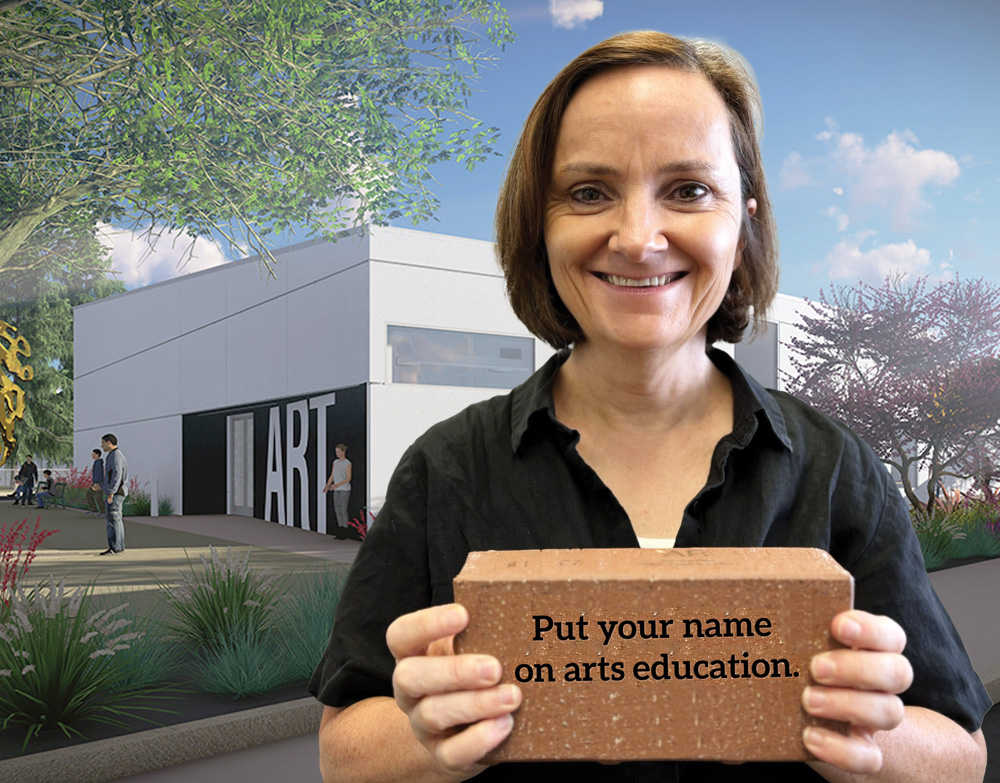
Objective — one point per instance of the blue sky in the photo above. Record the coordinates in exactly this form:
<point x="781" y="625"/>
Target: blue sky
<point x="881" y="125"/>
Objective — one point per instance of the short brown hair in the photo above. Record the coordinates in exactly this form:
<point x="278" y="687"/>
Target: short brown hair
<point x="520" y="235"/>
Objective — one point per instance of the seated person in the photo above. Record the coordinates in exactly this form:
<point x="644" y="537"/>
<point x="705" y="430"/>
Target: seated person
<point x="44" y="488"/>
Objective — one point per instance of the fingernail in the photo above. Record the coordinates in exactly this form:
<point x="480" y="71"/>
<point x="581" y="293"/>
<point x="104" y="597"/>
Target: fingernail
<point x="849" y="630"/>
<point x="812" y="738"/>
<point x="489" y="669"/>
<point x="455" y="617"/>
<point x="503" y="725"/>
<point x="822" y="667"/>
<point x="508" y="695"/>
<point x="815" y="698"/>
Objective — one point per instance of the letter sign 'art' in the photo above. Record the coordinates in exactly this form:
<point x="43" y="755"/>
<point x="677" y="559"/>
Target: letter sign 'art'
<point x="12" y="347"/>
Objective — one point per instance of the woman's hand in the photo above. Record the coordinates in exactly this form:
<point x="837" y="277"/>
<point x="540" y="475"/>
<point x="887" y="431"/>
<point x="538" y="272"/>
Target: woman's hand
<point x="857" y="685"/>
<point x="456" y="708"/>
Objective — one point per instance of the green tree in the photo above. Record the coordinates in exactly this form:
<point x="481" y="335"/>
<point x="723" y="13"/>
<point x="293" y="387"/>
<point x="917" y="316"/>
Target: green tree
<point x="37" y="295"/>
<point x="236" y="118"/>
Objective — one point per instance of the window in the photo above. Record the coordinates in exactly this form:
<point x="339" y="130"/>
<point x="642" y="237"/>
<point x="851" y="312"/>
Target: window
<point x="440" y="357"/>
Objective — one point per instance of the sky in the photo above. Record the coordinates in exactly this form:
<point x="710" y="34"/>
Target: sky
<point x="881" y="129"/>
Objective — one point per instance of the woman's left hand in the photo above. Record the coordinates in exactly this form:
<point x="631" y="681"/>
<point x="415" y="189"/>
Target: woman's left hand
<point x="857" y="685"/>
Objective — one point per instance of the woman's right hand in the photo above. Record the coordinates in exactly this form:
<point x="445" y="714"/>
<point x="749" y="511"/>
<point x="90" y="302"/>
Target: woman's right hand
<point x="456" y="707"/>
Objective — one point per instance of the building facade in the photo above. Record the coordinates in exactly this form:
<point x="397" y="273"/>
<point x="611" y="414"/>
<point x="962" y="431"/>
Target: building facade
<point x="229" y="389"/>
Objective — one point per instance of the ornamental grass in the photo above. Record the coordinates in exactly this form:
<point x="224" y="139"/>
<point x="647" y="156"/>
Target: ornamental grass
<point x="222" y="601"/>
<point x="308" y="621"/>
<point x="60" y="662"/>
<point x="247" y="663"/>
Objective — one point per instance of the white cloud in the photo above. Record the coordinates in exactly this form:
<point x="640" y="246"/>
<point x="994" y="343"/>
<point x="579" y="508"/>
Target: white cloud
<point x="839" y="191"/>
<point x="793" y="172"/>
<point x="573" y="13"/>
<point x="843" y="221"/>
<point x="849" y="260"/>
<point x="137" y="264"/>
<point x="894" y="174"/>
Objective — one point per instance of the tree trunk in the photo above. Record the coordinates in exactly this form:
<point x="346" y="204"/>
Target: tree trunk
<point x="16" y="234"/>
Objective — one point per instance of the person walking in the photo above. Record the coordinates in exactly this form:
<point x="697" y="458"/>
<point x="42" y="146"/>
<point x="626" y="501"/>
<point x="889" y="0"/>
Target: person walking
<point x="95" y="494"/>
<point x="28" y="475"/>
<point x="115" y="491"/>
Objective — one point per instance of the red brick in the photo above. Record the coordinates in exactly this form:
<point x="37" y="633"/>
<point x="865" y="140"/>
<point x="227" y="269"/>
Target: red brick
<point x="742" y="704"/>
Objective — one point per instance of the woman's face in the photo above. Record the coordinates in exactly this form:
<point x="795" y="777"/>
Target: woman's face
<point x="643" y="217"/>
<point x="340" y="453"/>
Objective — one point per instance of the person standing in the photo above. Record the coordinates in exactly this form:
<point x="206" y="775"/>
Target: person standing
<point x="340" y="484"/>
<point x="115" y="491"/>
<point x="28" y="475"/>
<point x="95" y="494"/>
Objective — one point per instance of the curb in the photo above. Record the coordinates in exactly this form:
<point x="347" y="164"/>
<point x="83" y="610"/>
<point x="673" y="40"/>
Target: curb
<point x="119" y="757"/>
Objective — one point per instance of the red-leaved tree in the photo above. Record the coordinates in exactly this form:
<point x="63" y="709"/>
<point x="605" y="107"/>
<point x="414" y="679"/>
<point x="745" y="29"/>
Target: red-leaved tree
<point x="914" y="369"/>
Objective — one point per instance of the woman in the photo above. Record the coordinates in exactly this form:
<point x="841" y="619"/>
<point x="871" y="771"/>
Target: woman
<point x="634" y="227"/>
<point x="340" y="484"/>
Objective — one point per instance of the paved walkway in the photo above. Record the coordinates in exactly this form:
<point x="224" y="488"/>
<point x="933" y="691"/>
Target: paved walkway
<point x="157" y="548"/>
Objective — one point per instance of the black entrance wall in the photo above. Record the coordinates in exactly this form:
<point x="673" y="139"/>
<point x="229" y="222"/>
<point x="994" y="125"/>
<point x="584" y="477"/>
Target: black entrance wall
<point x="204" y="462"/>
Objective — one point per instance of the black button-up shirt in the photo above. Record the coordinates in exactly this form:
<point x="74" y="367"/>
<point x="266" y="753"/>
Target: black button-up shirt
<point x="505" y="474"/>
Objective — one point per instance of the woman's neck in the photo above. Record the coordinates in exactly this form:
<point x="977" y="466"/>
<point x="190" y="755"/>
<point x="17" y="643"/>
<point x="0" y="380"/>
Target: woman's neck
<point x="639" y="392"/>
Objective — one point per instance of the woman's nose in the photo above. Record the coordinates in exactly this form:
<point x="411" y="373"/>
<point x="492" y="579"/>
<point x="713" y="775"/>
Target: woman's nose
<point x="640" y="231"/>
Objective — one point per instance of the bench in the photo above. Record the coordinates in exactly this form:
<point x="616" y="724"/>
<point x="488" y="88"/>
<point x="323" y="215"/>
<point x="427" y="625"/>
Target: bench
<point x="58" y="493"/>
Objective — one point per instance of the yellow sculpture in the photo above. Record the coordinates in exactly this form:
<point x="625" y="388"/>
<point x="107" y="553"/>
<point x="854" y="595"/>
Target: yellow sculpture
<point x="12" y="348"/>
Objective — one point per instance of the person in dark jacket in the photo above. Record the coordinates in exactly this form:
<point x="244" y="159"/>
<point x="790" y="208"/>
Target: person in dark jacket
<point x="95" y="495"/>
<point x="28" y="475"/>
<point x="115" y="491"/>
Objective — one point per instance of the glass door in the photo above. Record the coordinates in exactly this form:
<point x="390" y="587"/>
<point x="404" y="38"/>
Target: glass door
<point x="240" y="491"/>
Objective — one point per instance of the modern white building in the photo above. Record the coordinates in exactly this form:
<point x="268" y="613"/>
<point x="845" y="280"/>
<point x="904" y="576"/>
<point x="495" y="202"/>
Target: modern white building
<point x="229" y="388"/>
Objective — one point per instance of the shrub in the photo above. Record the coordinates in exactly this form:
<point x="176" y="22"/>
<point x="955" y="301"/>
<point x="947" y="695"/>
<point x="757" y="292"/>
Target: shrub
<point x="165" y="507"/>
<point x="210" y="607"/>
<point x="14" y="565"/>
<point x="155" y="655"/>
<point x="137" y="504"/>
<point x="308" y="621"/>
<point x="59" y="662"/>
<point x="248" y="663"/>
<point x="969" y="528"/>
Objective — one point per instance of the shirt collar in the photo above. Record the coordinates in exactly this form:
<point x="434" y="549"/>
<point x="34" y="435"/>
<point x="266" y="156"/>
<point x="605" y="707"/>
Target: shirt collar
<point x="532" y="401"/>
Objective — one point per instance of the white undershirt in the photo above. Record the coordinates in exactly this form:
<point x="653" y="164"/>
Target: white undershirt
<point x="656" y="543"/>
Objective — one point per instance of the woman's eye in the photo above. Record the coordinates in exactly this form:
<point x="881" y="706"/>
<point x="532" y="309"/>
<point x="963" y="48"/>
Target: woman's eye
<point x="587" y="195"/>
<point x="691" y="191"/>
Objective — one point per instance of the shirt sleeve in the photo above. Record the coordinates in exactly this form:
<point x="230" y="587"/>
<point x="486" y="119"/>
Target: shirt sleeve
<point x="390" y="577"/>
<point x="891" y="579"/>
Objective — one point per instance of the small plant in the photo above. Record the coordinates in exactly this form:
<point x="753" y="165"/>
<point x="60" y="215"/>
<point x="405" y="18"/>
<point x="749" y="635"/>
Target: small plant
<point x="309" y="620"/>
<point x="362" y="525"/>
<point x="17" y="551"/>
<point x="59" y="661"/>
<point x="137" y="504"/>
<point x="165" y="507"/>
<point x="154" y="657"/>
<point x="248" y="663"/>
<point x="210" y="607"/>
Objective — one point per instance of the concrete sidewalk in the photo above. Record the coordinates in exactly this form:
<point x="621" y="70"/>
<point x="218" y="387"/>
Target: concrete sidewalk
<point x="158" y="548"/>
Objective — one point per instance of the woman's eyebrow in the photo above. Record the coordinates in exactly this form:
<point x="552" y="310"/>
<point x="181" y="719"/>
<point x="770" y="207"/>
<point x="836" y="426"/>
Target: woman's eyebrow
<point x="676" y="167"/>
